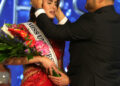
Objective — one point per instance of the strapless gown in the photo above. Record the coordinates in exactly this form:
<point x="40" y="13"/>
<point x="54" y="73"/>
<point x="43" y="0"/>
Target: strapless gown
<point x="40" y="78"/>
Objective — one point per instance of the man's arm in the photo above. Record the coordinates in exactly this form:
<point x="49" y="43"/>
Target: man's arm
<point x="70" y="31"/>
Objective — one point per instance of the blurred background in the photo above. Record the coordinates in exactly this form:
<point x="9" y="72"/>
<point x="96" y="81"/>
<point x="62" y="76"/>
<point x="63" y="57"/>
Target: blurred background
<point x="17" y="11"/>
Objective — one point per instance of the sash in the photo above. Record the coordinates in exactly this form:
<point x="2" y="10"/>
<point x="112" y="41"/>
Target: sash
<point x="38" y="35"/>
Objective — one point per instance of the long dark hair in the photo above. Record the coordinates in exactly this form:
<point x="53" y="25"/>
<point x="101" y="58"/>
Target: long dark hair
<point x="32" y="13"/>
<point x="58" y="2"/>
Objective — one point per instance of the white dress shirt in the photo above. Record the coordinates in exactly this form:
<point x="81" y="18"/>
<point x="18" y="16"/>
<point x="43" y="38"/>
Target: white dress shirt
<point x="40" y="11"/>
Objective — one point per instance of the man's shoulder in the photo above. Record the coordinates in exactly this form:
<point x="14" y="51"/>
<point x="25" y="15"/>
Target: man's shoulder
<point x="86" y="17"/>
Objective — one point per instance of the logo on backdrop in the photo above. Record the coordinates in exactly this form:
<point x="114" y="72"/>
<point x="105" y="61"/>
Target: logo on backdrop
<point x="2" y="3"/>
<point x="16" y="7"/>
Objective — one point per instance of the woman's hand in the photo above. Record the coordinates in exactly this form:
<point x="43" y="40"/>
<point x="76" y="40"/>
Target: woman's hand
<point x="60" y="81"/>
<point x="49" y="65"/>
<point x="37" y="3"/>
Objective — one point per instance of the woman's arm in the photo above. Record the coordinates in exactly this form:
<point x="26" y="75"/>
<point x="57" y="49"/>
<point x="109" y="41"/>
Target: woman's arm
<point x="46" y="62"/>
<point x="20" y="60"/>
<point x="24" y="60"/>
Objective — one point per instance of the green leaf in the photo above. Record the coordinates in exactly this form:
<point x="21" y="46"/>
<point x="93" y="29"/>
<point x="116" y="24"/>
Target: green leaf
<point x="2" y="57"/>
<point x="29" y="56"/>
<point x="8" y="24"/>
<point x="4" y="46"/>
<point x="55" y="74"/>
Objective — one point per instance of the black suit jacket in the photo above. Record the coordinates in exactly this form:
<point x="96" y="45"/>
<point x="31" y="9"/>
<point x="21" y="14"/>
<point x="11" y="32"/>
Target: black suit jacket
<point x="94" y="47"/>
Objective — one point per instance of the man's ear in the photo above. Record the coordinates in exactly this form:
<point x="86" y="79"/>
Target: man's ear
<point x="42" y="3"/>
<point x="99" y="3"/>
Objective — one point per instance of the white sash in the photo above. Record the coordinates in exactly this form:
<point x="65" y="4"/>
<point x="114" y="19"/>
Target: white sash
<point x="38" y="35"/>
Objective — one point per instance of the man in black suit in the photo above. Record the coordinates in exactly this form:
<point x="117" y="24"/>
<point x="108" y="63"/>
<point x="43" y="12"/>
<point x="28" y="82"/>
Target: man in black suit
<point x="94" y="44"/>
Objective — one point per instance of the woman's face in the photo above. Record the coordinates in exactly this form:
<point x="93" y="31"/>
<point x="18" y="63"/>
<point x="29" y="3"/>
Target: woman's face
<point x="50" y="7"/>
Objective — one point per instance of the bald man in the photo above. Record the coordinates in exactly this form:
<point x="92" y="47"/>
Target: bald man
<point x="94" y="44"/>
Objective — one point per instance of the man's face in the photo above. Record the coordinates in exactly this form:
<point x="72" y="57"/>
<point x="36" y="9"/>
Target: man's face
<point x="90" y="5"/>
<point x="50" y="7"/>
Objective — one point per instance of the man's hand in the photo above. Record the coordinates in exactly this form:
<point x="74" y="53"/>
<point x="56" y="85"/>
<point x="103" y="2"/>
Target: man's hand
<point x="37" y="3"/>
<point x="60" y="81"/>
<point x="59" y="14"/>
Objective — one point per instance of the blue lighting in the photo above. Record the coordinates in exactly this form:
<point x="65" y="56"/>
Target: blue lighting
<point x="66" y="5"/>
<point x="24" y="2"/>
<point x="117" y="6"/>
<point x="81" y="5"/>
<point x="68" y="13"/>
<point x="23" y="16"/>
<point x="17" y="11"/>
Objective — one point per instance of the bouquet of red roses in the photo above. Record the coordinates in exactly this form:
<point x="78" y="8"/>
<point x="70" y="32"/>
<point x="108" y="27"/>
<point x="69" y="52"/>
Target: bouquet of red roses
<point x="17" y="41"/>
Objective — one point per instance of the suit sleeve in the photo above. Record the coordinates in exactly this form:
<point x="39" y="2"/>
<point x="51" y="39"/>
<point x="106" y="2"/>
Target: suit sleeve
<point x="69" y="31"/>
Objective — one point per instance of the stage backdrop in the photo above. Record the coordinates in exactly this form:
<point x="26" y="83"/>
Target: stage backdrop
<point x="17" y="11"/>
